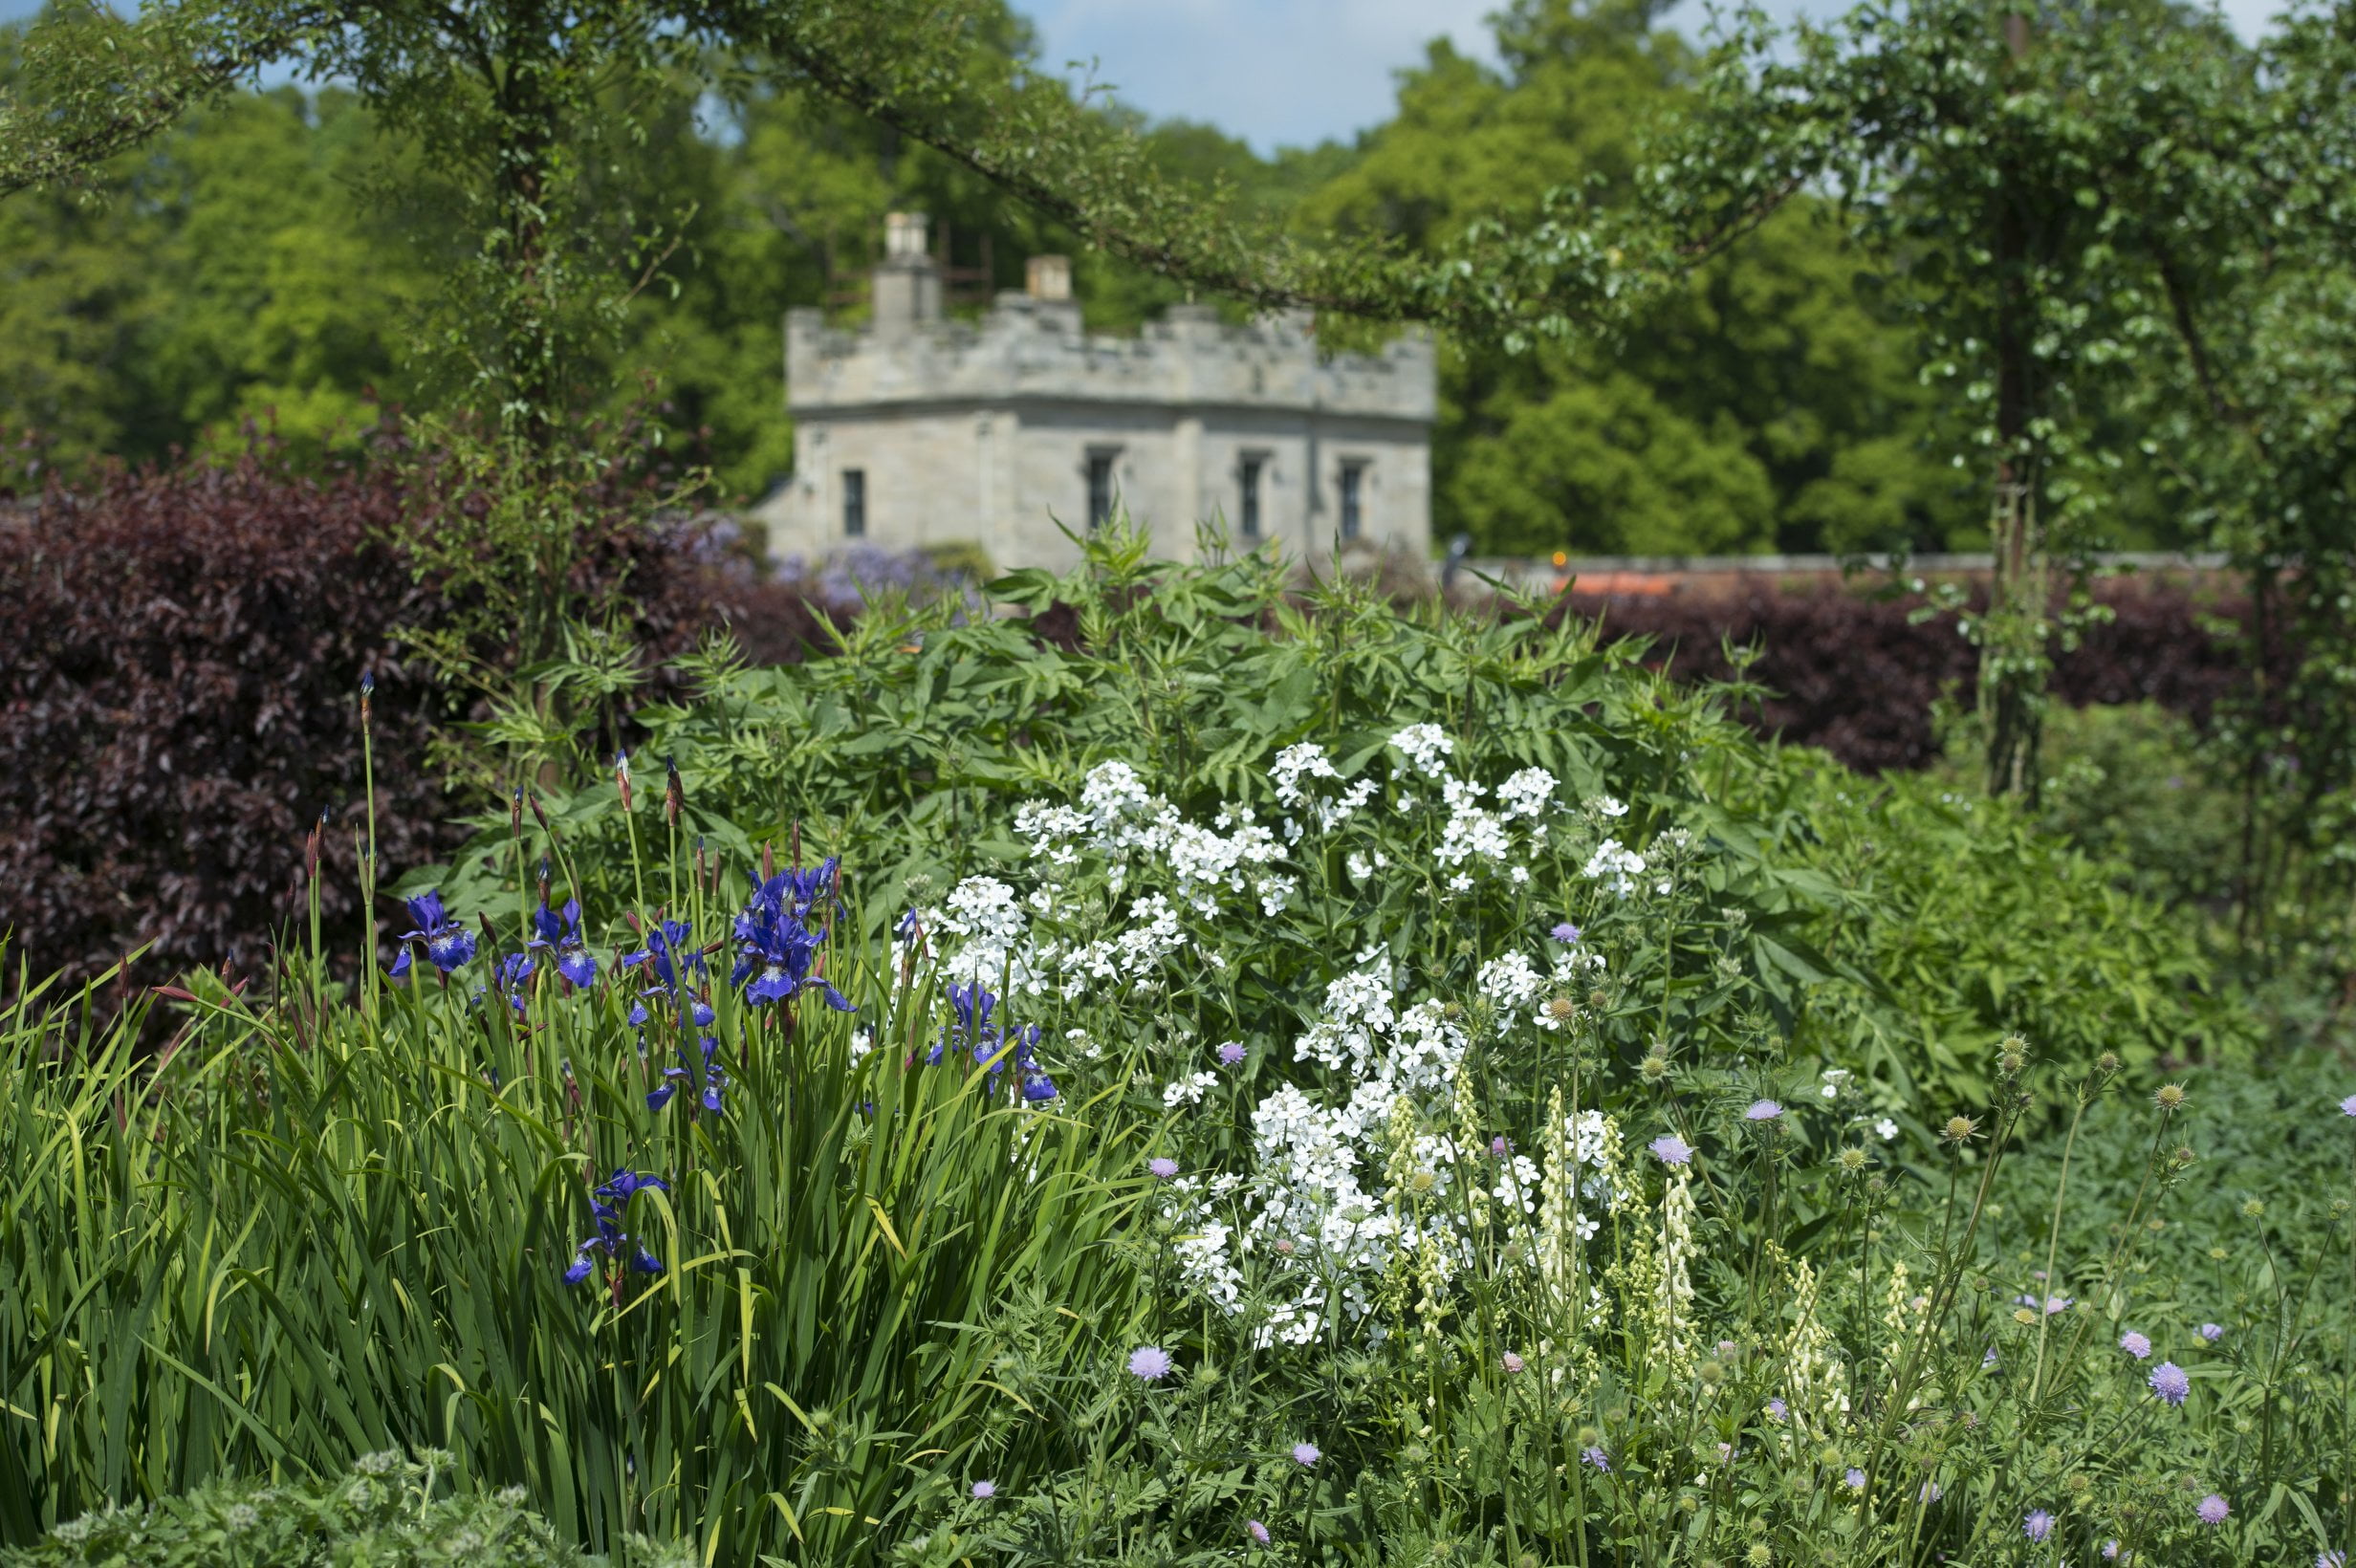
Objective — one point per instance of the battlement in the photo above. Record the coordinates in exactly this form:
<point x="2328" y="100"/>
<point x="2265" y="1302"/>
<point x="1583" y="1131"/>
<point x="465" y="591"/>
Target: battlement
<point x="918" y="431"/>
<point x="1027" y="349"/>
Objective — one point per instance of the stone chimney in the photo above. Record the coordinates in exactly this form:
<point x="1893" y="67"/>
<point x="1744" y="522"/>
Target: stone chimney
<point x="1048" y="281"/>
<point x="907" y="285"/>
<point x="1048" y="277"/>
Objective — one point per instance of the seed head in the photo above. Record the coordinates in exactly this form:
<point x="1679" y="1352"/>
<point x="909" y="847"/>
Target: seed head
<point x="1852" y="1162"/>
<point x="2254" y="1210"/>
<point x="1653" y="1068"/>
<point x="1760" y="1555"/>
<point x="1562" y="1009"/>
<point x="1960" y="1129"/>
<point x="2170" y="1097"/>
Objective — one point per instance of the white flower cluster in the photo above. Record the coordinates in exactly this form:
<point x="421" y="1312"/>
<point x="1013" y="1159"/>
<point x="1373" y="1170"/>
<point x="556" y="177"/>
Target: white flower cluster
<point x="1119" y="821"/>
<point x="1615" y="867"/>
<point x="1309" y="761"/>
<point x="983" y="914"/>
<point x="1426" y="747"/>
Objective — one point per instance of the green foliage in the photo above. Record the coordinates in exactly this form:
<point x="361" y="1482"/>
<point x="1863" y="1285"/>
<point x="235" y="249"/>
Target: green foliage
<point x="388" y="1513"/>
<point x="1937" y="924"/>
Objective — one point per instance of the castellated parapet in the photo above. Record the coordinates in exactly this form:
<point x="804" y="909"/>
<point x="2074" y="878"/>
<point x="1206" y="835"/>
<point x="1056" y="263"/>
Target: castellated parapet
<point x="919" y="431"/>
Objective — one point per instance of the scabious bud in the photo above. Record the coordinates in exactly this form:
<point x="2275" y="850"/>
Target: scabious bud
<point x="2013" y="1055"/>
<point x="2170" y="1098"/>
<point x="1852" y="1162"/>
<point x="2107" y="1063"/>
<point x="1960" y="1129"/>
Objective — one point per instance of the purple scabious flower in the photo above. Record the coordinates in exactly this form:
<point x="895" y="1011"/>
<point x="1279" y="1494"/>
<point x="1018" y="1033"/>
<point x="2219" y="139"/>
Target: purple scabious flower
<point x="1671" y="1150"/>
<point x="1931" y="1491"/>
<point x="2037" y="1526"/>
<point x="1161" y="1167"/>
<point x="1257" y="1531"/>
<point x="1762" y="1110"/>
<point x="1500" y="1147"/>
<point x="1231" y="1054"/>
<point x="2213" y="1332"/>
<point x="1854" y="1479"/>
<point x="2110" y="1549"/>
<point x="1776" y="1409"/>
<point x="2135" y="1345"/>
<point x="447" y="943"/>
<point x="2347" y="1106"/>
<point x="559" y="930"/>
<point x="1151" y="1363"/>
<point x="985" y="1490"/>
<point x="2213" y="1509"/>
<point x="1592" y="1455"/>
<point x="2331" y="1559"/>
<point x="1565" y="933"/>
<point x="1512" y="1362"/>
<point x="2171" y="1383"/>
<point x="1306" y="1453"/>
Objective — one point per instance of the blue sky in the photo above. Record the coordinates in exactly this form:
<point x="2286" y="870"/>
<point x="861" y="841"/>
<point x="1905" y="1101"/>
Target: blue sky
<point x="1277" y="72"/>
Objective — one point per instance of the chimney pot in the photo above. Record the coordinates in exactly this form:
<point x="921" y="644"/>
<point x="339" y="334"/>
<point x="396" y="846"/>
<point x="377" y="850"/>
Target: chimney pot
<point x="1048" y="277"/>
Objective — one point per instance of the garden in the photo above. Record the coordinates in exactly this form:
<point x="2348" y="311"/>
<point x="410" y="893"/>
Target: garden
<point x="529" y="1037"/>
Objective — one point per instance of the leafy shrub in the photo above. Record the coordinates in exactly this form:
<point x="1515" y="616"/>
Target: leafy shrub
<point x="178" y="707"/>
<point x="1861" y="675"/>
<point x="1900" y="929"/>
<point x="387" y="1513"/>
<point x="179" y="691"/>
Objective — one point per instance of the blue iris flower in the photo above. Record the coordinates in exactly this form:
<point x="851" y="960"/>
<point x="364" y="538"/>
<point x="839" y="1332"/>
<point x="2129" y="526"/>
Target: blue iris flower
<point x="991" y="1043"/>
<point x="511" y="978"/>
<point x="447" y="944"/>
<point x="607" y="1205"/>
<point x="560" y="930"/>
<point x="775" y="945"/>
<point x="670" y="954"/>
<point x="714" y="1079"/>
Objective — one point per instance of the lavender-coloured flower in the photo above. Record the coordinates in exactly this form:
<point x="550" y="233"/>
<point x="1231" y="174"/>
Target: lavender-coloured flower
<point x="1161" y="1167"/>
<point x="2037" y="1526"/>
<point x="2213" y="1509"/>
<point x="985" y="1490"/>
<point x="1671" y="1150"/>
<point x="2110" y="1549"/>
<point x="2213" y="1332"/>
<point x="1231" y="1054"/>
<point x="1988" y="1362"/>
<point x="2135" y="1345"/>
<point x="447" y="943"/>
<point x="1565" y="933"/>
<point x="1257" y="1531"/>
<point x="1306" y="1453"/>
<point x="1514" y="1363"/>
<point x="1776" y="1409"/>
<point x="2347" y="1106"/>
<point x="1500" y="1146"/>
<point x="1595" y="1456"/>
<point x="1762" y="1110"/>
<point x="2171" y="1383"/>
<point x="2331" y="1559"/>
<point x="1929" y="1493"/>
<point x="559" y="930"/>
<point x="1854" y="1479"/>
<point x="1151" y="1363"/>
